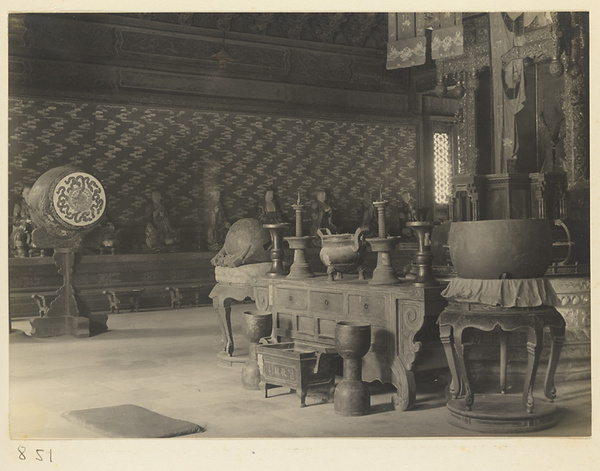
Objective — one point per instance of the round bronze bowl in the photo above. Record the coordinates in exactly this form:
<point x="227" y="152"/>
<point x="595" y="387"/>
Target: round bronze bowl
<point x="515" y="248"/>
<point x="258" y="324"/>
<point x="352" y="339"/>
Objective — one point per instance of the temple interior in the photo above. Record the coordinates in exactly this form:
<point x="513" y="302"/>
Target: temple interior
<point x="299" y="225"/>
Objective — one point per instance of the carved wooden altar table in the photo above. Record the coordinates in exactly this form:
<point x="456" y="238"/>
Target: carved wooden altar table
<point x="401" y="317"/>
<point x="498" y="413"/>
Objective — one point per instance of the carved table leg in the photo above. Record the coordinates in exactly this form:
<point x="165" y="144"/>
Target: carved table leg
<point x="534" y="350"/>
<point x="406" y="387"/>
<point x="557" y="335"/>
<point x="503" y="357"/>
<point x="223" y="308"/>
<point x="446" y="338"/>
<point x="460" y="354"/>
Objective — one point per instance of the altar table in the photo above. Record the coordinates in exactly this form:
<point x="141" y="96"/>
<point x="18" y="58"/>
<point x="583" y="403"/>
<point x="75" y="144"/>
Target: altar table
<point x="402" y="317"/>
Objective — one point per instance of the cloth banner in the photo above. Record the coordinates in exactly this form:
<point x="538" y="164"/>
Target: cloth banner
<point x="447" y="42"/>
<point x="406" y="53"/>
<point x="401" y="26"/>
<point x="509" y="90"/>
<point x="524" y="292"/>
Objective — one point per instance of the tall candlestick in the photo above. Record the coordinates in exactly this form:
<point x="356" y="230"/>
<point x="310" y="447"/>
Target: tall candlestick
<point x="384" y="273"/>
<point x="300" y="269"/>
<point x="298" y="208"/>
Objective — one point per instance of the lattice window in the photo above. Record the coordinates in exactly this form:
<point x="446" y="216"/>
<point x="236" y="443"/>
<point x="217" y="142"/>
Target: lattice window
<point x="442" y="167"/>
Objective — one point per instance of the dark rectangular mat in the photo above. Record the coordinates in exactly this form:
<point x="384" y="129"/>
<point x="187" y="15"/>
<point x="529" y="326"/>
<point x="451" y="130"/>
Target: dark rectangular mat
<point x="131" y="421"/>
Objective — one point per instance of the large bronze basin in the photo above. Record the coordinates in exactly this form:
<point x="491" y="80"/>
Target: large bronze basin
<point x="514" y="248"/>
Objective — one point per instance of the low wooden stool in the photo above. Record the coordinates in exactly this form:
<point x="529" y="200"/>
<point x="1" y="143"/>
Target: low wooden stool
<point x="115" y="296"/>
<point x="178" y="294"/>
<point x="498" y="413"/>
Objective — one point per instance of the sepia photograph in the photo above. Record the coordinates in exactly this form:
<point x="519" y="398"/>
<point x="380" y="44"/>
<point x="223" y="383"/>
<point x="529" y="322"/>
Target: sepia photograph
<point x="299" y="228"/>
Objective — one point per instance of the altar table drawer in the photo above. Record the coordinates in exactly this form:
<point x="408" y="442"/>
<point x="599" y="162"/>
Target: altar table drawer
<point x="326" y="302"/>
<point x="291" y="299"/>
<point x="368" y="307"/>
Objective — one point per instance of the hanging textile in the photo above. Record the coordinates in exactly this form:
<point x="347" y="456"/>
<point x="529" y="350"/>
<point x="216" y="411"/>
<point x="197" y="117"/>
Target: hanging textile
<point x="447" y="42"/>
<point x="405" y="48"/>
<point x="508" y="84"/>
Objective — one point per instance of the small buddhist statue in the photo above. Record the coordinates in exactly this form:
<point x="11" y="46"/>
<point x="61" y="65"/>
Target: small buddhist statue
<point x="270" y="210"/>
<point x="160" y="235"/>
<point x="407" y="212"/>
<point x="217" y="226"/>
<point x="20" y="238"/>
<point x="321" y="216"/>
<point x="368" y="215"/>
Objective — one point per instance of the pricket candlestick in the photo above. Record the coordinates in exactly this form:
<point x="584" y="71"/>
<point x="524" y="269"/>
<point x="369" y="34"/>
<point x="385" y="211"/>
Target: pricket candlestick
<point x="384" y="273"/>
<point x="300" y="269"/>
<point x="424" y="256"/>
<point x="276" y="231"/>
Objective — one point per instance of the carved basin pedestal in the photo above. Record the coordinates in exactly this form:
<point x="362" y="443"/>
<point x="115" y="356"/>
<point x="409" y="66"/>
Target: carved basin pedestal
<point x="352" y="342"/>
<point x="257" y="325"/>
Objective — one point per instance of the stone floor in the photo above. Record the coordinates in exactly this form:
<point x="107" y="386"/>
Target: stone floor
<point x="166" y="361"/>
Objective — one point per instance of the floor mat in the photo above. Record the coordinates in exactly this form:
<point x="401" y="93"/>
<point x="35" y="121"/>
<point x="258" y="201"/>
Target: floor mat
<point x="131" y="421"/>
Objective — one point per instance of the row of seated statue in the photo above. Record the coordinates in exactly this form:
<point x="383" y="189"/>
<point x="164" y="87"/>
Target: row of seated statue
<point x="161" y="235"/>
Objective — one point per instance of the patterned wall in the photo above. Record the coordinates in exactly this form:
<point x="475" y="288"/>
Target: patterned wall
<point x="182" y="153"/>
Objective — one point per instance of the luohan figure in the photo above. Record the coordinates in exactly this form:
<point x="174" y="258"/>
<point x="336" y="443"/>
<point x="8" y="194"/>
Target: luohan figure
<point x="160" y="235"/>
<point x="270" y="210"/>
<point x="20" y="237"/>
<point x="215" y="220"/>
<point x="321" y="216"/>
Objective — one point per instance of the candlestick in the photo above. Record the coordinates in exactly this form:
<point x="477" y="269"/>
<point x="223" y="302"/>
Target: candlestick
<point x="384" y="272"/>
<point x="277" y="253"/>
<point x="300" y="269"/>
<point x="298" y="209"/>
<point x="424" y="256"/>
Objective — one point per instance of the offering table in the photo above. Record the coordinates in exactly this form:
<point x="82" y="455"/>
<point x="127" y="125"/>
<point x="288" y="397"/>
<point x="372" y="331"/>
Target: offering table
<point x="402" y="319"/>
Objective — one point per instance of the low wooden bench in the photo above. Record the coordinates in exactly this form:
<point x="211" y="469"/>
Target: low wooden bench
<point x="115" y="297"/>
<point x="178" y="293"/>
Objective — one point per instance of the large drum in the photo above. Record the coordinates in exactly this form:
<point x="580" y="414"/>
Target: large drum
<point x="66" y="201"/>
